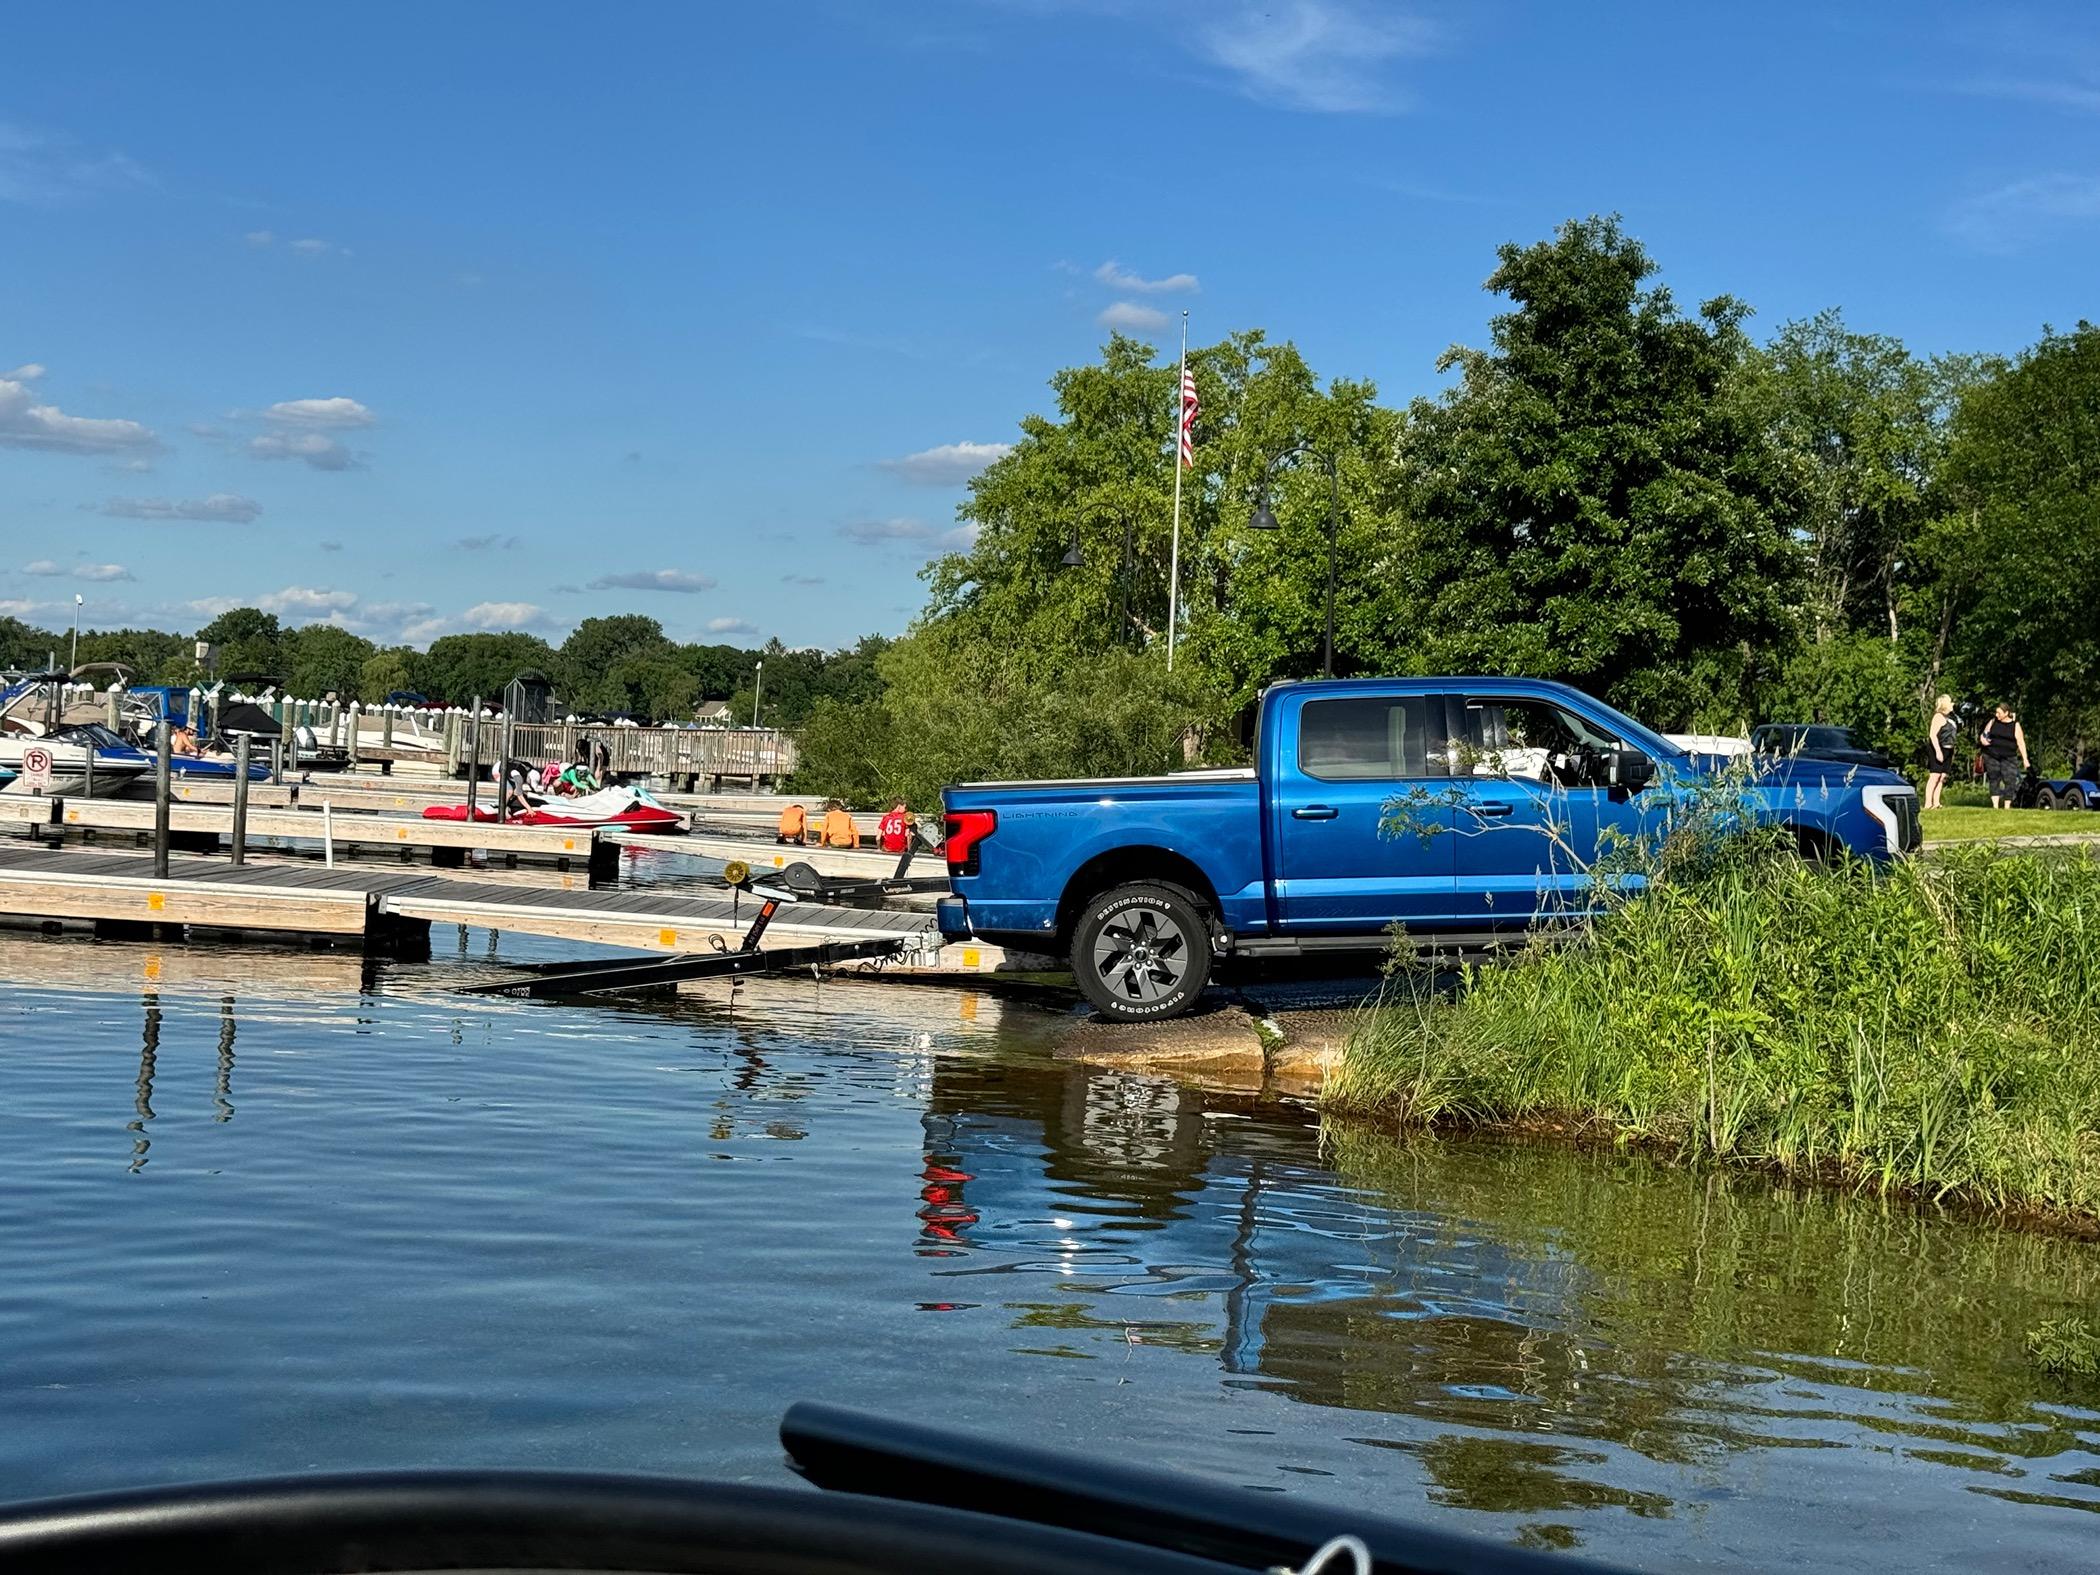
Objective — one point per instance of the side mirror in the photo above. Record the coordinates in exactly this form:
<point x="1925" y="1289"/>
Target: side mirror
<point x="1630" y="769"/>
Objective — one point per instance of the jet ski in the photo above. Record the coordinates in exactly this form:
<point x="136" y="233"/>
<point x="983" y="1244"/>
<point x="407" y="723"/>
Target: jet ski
<point x="635" y="808"/>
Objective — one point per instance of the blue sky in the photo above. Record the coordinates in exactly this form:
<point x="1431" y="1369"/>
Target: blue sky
<point x="436" y="317"/>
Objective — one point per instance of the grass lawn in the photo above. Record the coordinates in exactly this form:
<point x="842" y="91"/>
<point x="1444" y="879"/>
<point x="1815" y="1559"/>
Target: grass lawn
<point x="1968" y="823"/>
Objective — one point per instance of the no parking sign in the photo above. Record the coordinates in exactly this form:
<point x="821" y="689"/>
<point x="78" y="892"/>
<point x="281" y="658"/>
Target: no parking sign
<point x="36" y="768"/>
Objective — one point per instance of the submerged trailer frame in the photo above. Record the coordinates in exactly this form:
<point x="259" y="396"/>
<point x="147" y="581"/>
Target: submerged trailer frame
<point x="540" y="981"/>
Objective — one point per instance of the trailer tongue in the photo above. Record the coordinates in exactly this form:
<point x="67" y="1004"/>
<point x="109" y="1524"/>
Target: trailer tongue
<point x="797" y="883"/>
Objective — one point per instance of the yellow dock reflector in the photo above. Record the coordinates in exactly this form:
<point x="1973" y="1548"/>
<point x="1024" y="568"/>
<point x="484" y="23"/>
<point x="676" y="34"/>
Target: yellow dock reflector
<point x="401" y="833"/>
<point x="972" y="957"/>
<point x="568" y="844"/>
<point x="156" y="901"/>
<point x="667" y="937"/>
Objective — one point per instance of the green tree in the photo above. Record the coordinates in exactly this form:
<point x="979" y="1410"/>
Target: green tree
<point x="250" y="642"/>
<point x="954" y="710"/>
<point x="1592" y="501"/>
<point x="589" y="670"/>
<point x="153" y="655"/>
<point x="321" y="658"/>
<point x="24" y="645"/>
<point x="385" y="672"/>
<point x="2016" y="554"/>
<point x="458" y="667"/>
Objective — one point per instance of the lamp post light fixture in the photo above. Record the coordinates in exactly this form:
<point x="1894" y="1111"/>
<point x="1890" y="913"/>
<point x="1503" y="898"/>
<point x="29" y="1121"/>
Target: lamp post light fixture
<point x="74" y="658"/>
<point x="758" y="690"/>
<point x="1264" y="518"/>
<point x="1125" y="571"/>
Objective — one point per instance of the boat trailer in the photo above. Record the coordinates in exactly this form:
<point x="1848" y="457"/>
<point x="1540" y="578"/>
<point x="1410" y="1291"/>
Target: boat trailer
<point x="797" y="883"/>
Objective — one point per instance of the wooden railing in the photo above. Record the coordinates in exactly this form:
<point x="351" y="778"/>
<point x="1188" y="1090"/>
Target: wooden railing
<point x="739" y="752"/>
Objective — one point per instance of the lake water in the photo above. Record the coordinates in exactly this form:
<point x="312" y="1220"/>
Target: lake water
<point x="266" y="1211"/>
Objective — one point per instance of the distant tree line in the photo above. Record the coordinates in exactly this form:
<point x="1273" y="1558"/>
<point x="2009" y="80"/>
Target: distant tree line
<point x="1706" y="530"/>
<point x="623" y="664"/>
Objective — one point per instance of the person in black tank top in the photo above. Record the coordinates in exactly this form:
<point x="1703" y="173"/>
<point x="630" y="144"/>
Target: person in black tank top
<point x="2003" y="743"/>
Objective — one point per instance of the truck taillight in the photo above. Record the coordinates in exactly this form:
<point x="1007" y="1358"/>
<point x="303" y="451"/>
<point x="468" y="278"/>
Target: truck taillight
<point x="966" y="829"/>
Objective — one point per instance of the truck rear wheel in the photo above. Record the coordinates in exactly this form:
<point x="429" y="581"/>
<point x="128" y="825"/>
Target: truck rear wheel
<point x="1141" y="953"/>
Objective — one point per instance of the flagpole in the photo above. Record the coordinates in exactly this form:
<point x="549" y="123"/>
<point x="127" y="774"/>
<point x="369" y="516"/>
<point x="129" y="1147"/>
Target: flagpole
<point x="1174" y="553"/>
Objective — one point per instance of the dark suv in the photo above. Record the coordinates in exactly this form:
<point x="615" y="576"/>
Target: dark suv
<point x="1814" y="741"/>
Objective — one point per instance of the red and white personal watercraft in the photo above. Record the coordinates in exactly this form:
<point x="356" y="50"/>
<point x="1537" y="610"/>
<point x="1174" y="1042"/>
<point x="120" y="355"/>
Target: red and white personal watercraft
<point x="634" y="808"/>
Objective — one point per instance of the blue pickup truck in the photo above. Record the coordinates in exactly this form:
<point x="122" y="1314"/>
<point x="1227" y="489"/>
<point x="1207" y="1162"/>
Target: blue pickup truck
<point x="1508" y="788"/>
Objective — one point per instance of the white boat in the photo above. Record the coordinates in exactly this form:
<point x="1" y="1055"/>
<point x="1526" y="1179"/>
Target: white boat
<point x="117" y="764"/>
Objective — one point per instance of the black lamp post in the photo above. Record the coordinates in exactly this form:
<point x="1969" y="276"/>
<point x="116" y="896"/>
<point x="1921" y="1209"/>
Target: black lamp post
<point x="1074" y="558"/>
<point x="1265" y="519"/>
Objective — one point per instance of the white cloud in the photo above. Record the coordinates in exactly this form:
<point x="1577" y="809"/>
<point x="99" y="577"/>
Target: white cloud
<point x="297" y="599"/>
<point x="102" y="572"/>
<point x="43" y="167"/>
<point x="802" y="579"/>
<point x="874" y="533"/>
<point x="651" y="580"/>
<point x="228" y="508"/>
<point x="259" y="237"/>
<point x="20" y="607"/>
<point x="310" y="246"/>
<point x="883" y="533"/>
<point x="1117" y="277"/>
<point x="731" y="626"/>
<point x="1128" y="317"/>
<point x="27" y="372"/>
<point x="503" y="615"/>
<point x="946" y="465"/>
<point x="322" y="453"/>
<point x="44" y="567"/>
<point x="493" y="541"/>
<point x="336" y="411"/>
<point x="2013" y="216"/>
<point x="1322" y="55"/>
<point x="206" y="431"/>
<point x="26" y="424"/>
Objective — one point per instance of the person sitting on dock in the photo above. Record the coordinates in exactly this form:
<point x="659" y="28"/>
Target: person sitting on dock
<point x="895" y="828"/>
<point x="794" y="825"/>
<point x="839" y="830"/>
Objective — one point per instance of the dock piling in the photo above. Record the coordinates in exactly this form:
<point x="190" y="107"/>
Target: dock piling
<point x="473" y="756"/>
<point x="240" y="799"/>
<point x="161" y="795"/>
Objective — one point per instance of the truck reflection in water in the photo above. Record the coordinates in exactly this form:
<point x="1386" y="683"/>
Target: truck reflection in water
<point x="1552" y="1318"/>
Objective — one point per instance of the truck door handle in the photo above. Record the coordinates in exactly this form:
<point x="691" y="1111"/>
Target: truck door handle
<point x="1315" y="812"/>
<point x="1490" y="808"/>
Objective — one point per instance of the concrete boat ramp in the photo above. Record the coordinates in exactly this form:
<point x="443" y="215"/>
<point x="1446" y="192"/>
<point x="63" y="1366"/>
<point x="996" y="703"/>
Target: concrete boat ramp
<point x="391" y="910"/>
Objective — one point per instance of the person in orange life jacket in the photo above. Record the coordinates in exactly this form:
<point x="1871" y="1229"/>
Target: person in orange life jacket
<point x="839" y="830"/>
<point x="794" y="824"/>
<point x="895" y="828"/>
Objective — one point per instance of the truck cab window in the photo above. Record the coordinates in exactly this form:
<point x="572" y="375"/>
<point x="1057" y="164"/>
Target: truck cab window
<point x="1528" y="740"/>
<point x="1382" y="739"/>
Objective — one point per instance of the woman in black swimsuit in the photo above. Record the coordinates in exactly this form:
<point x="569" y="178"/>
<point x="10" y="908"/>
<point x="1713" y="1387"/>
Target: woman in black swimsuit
<point x="1939" y="750"/>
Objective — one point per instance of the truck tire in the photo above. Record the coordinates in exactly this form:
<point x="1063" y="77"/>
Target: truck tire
<point x="1141" y="953"/>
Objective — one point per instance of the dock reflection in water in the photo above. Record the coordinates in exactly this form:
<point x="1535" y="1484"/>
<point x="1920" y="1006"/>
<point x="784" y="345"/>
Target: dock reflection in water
<point x="446" y="1230"/>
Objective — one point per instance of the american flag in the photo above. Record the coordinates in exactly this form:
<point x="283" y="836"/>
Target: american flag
<point x="1189" y="407"/>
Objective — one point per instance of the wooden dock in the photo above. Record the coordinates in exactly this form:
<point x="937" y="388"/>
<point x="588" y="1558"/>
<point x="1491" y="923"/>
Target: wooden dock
<point x="447" y="841"/>
<point x="392" y="910"/>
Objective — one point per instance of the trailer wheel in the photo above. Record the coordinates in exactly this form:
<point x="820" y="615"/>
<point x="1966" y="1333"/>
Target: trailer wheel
<point x="2045" y="798"/>
<point x="2072" y="797"/>
<point x="1141" y="953"/>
